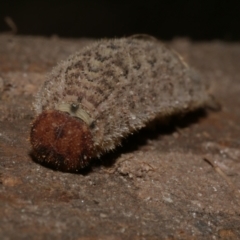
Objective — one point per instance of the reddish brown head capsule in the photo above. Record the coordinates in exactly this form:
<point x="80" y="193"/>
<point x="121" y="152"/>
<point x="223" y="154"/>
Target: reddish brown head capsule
<point x="61" y="140"/>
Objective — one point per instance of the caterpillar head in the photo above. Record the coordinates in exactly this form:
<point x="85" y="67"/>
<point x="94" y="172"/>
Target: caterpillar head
<point x="61" y="141"/>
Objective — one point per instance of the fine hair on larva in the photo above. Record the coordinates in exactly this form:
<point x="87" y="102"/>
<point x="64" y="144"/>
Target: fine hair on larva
<point x="106" y="91"/>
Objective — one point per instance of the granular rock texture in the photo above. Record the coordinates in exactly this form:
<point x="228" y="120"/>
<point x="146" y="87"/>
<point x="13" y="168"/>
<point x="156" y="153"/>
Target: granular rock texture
<point x="156" y="186"/>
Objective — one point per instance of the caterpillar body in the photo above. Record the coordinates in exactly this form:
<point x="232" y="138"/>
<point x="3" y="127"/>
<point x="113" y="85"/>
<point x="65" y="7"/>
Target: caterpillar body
<point x="103" y="93"/>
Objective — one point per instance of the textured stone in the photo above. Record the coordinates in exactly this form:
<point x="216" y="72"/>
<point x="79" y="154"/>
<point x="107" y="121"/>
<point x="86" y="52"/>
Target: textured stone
<point x="157" y="186"/>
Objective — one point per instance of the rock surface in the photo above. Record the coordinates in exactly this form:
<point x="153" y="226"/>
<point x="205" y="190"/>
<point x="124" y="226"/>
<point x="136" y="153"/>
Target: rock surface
<point x="179" y="180"/>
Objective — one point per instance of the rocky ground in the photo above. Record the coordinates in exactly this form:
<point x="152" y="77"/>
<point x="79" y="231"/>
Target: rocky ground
<point x="177" y="181"/>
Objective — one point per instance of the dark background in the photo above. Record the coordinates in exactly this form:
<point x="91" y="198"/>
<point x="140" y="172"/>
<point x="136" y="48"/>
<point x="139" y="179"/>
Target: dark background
<point x="198" y="20"/>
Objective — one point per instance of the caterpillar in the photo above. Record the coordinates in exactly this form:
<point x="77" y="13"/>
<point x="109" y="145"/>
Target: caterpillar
<point x="106" y="91"/>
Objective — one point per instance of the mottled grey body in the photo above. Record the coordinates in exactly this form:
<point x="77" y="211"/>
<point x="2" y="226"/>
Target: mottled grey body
<point x="118" y="86"/>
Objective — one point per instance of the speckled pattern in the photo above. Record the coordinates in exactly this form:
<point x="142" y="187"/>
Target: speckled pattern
<point x="117" y="86"/>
